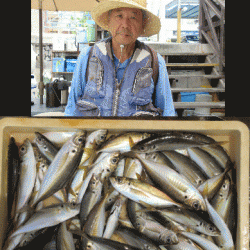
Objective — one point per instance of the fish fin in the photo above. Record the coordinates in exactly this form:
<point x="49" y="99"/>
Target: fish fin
<point x="139" y="177"/>
<point x="89" y="151"/>
<point x="131" y="142"/>
<point x="25" y="209"/>
<point x="145" y="205"/>
<point x="220" y="143"/>
<point x="138" y="192"/>
<point x="72" y="192"/>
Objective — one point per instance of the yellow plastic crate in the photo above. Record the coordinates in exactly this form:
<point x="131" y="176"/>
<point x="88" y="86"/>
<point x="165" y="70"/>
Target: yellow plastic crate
<point x="235" y="135"/>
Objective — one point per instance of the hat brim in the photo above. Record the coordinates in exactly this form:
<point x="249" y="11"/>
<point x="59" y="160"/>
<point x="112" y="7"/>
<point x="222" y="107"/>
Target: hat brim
<point x="101" y="17"/>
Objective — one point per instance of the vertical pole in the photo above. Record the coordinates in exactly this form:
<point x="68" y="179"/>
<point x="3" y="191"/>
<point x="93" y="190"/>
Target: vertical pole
<point x="41" y="85"/>
<point x="179" y="22"/>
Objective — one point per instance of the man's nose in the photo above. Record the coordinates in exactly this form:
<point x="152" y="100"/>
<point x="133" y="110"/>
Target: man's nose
<point x="125" y="22"/>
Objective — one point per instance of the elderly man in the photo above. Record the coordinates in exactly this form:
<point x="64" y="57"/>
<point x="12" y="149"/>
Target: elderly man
<point x="115" y="76"/>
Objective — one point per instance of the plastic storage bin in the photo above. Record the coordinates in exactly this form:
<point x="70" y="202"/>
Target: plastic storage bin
<point x="58" y="64"/>
<point x="190" y="96"/>
<point x="235" y="135"/>
<point x="70" y="65"/>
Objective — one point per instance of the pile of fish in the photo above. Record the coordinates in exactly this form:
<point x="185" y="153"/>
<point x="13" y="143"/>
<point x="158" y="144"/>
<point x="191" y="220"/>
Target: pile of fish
<point x="104" y="190"/>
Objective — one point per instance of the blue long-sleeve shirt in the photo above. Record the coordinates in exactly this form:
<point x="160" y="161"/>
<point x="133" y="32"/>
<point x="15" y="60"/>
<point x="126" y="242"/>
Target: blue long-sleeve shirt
<point x="164" y="99"/>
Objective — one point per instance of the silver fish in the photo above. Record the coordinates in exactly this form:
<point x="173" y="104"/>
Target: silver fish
<point x="201" y="241"/>
<point x="62" y="167"/>
<point x="183" y="244"/>
<point x="205" y="161"/>
<point x="225" y="240"/>
<point x="99" y="243"/>
<point x="222" y="201"/>
<point x="47" y="148"/>
<point x="106" y="167"/>
<point x="148" y="226"/>
<point x="190" y="219"/>
<point x="184" y="165"/>
<point x="174" y="184"/>
<point x="136" y="239"/>
<point x="64" y="239"/>
<point x="59" y="138"/>
<point x="95" y="222"/>
<point x="122" y="142"/>
<point x="27" y="176"/>
<point x="91" y="197"/>
<point x="93" y="141"/>
<point x="171" y="141"/>
<point x="48" y="217"/>
<point x="113" y="218"/>
<point x="141" y="192"/>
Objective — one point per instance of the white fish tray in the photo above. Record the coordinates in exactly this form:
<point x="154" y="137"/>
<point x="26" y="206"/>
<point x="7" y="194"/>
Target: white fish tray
<point x="235" y="135"/>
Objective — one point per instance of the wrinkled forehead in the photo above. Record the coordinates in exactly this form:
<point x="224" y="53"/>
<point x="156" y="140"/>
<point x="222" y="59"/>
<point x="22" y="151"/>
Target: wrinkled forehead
<point x="134" y="11"/>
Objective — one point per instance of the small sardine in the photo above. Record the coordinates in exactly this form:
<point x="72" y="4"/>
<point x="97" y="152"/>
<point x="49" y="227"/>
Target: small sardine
<point x="122" y="142"/>
<point x="201" y="241"/>
<point x="46" y="147"/>
<point x="93" y="141"/>
<point x="190" y="219"/>
<point x="27" y="175"/>
<point x="95" y="222"/>
<point x="106" y="167"/>
<point x="171" y="141"/>
<point x="137" y="239"/>
<point x="91" y="197"/>
<point x="141" y="192"/>
<point x="99" y="243"/>
<point x="48" y="217"/>
<point x="64" y="238"/>
<point x="62" y="167"/>
<point x="113" y="218"/>
<point x="174" y="184"/>
<point x="205" y="161"/>
<point x="148" y="226"/>
<point x="224" y="240"/>
<point x="184" y="165"/>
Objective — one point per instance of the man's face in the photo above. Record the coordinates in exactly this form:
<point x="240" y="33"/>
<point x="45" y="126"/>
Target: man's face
<point x="125" y="25"/>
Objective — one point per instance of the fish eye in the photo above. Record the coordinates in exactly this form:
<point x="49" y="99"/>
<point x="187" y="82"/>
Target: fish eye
<point x="168" y="240"/>
<point x="23" y="149"/>
<point x="73" y="151"/>
<point x="119" y="180"/>
<point x="108" y="170"/>
<point x="196" y="205"/>
<point x="142" y="148"/>
<point x="114" y="160"/>
<point x="45" y="147"/>
<point x="89" y="246"/>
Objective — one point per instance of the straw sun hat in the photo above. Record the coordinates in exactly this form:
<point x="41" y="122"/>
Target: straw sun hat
<point x="101" y="16"/>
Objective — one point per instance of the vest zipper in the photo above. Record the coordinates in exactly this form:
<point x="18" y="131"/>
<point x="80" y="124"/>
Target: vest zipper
<point x="116" y="97"/>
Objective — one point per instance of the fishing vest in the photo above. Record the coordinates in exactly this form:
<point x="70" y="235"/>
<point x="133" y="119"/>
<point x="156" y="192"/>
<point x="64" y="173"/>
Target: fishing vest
<point x="104" y="95"/>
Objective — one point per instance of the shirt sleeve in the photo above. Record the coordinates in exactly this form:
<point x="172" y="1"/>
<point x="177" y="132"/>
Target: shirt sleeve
<point x="78" y="81"/>
<point x="163" y="95"/>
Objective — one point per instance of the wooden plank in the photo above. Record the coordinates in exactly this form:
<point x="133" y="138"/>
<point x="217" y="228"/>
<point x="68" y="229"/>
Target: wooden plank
<point x="192" y="64"/>
<point x="175" y="90"/>
<point x="180" y="105"/>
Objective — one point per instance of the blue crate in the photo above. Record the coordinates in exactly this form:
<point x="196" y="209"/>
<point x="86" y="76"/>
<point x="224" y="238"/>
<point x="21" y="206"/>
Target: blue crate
<point x="70" y="65"/>
<point x="58" y="64"/>
<point x="190" y="96"/>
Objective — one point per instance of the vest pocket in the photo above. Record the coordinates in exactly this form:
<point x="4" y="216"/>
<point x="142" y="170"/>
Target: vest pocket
<point x="87" y="108"/>
<point x="142" y="91"/>
<point x="94" y="87"/>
